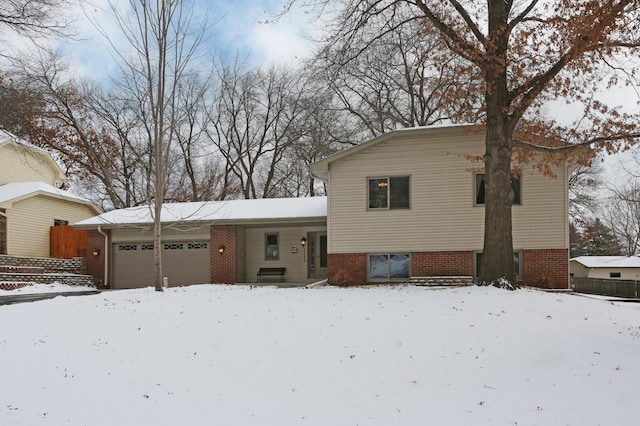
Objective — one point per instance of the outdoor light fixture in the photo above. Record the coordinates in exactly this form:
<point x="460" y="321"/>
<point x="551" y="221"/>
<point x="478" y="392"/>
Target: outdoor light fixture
<point x="303" y="243"/>
<point x="221" y="249"/>
<point x="96" y="252"/>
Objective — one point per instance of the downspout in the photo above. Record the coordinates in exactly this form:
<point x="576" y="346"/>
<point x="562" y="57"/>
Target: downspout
<point x="106" y="255"/>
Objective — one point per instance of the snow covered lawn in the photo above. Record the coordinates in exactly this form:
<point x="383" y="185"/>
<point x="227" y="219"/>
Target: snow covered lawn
<point x="235" y="355"/>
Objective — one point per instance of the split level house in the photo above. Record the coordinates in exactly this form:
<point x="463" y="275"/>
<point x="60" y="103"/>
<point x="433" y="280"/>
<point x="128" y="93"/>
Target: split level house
<point x="409" y="203"/>
<point x="31" y="202"/>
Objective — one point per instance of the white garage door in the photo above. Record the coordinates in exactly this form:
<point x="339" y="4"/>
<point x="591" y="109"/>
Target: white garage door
<point x="183" y="263"/>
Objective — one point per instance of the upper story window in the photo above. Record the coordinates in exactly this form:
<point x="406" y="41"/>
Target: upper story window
<point x="479" y="189"/>
<point x="389" y="192"/>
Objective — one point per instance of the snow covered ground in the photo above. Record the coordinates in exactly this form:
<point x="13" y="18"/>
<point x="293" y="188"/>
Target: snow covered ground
<point x="45" y="288"/>
<point x="235" y="355"/>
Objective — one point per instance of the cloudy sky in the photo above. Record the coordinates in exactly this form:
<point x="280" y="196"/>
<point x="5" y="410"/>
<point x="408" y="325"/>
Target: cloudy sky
<point x="235" y="26"/>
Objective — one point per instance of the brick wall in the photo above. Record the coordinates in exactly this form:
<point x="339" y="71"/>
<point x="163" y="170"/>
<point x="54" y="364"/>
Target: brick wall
<point x="49" y="265"/>
<point x="224" y="267"/>
<point x="347" y="269"/>
<point x="8" y="281"/>
<point x="442" y="263"/>
<point x="548" y="268"/>
<point x="19" y="271"/>
<point x="545" y="268"/>
<point x="95" y="264"/>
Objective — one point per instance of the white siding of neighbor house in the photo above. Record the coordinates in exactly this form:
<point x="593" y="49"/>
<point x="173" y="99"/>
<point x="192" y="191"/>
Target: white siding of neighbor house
<point x="29" y="222"/>
<point x="442" y="214"/>
<point x="580" y="271"/>
<point x="18" y="164"/>
<point x="288" y="236"/>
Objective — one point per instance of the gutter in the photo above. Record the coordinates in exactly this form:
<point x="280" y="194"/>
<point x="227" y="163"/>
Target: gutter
<point x="106" y="255"/>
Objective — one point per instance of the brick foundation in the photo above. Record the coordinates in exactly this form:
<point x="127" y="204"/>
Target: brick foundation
<point x="442" y="263"/>
<point x="347" y="269"/>
<point x="224" y="266"/>
<point x="545" y="268"/>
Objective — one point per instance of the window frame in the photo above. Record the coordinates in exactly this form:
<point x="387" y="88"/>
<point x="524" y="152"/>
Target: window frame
<point x="389" y="204"/>
<point x="267" y="255"/>
<point x="389" y="277"/>
<point x="516" y="186"/>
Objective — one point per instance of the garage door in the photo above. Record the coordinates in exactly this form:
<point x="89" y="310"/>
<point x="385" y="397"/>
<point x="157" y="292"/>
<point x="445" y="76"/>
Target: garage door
<point x="183" y="262"/>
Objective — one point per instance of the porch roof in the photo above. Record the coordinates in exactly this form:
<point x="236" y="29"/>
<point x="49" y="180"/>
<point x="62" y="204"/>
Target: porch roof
<point x="230" y="211"/>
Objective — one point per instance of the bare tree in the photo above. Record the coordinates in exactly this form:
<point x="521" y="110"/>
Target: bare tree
<point x="526" y="53"/>
<point x="584" y="182"/>
<point x="253" y="127"/>
<point x="394" y="76"/>
<point x="35" y="18"/>
<point x="164" y="37"/>
<point x="622" y="215"/>
<point x="65" y="123"/>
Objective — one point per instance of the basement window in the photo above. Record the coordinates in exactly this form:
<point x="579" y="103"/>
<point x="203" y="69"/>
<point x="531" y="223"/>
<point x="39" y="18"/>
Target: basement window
<point x="388" y="266"/>
<point x="615" y="275"/>
<point x="60" y="222"/>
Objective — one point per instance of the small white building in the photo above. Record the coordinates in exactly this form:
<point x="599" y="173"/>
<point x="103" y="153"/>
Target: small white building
<point x="605" y="267"/>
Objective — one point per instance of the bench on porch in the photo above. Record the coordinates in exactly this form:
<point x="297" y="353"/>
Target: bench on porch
<point x="271" y="272"/>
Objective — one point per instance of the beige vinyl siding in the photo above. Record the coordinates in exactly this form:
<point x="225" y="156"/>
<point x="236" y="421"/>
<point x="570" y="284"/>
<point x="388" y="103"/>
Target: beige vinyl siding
<point x="29" y="221"/>
<point x="25" y="165"/>
<point x="288" y="236"/>
<point x="442" y="214"/>
<point x="542" y="219"/>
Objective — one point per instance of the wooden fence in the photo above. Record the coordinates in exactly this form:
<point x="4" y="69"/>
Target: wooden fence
<point x="605" y="287"/>
<point x="65" y="242"/>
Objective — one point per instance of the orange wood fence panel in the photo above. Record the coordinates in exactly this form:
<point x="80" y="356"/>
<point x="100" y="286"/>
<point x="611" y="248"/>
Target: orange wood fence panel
<point x="65" y="242"/>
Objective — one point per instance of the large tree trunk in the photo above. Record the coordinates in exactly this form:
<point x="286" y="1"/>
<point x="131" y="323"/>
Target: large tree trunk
<point x="497" y="266"/>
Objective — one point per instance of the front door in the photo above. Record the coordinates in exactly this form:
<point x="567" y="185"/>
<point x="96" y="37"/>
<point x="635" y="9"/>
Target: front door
<point x="318" y="255"/>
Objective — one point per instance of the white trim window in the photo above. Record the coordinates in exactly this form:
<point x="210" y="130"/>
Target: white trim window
<point x="271" y="246"/>
<point x="388" y="192"/>
<point x="388" y="266"/>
